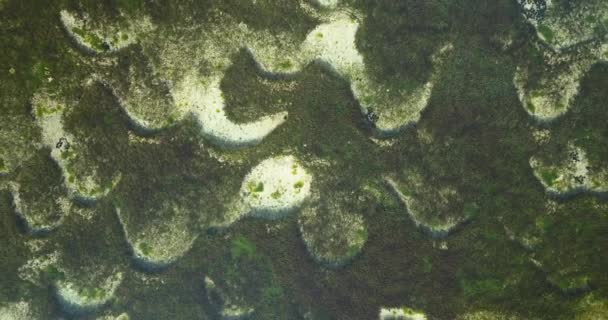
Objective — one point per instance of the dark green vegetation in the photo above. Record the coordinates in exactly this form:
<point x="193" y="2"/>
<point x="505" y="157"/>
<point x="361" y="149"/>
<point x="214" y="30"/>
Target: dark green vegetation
<point x="546" y="33"/>
<point x="584" y="124"/>
<point x="481" y="142"/>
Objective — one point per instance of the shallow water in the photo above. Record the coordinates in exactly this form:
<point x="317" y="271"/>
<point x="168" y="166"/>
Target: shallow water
<point x="295" y="159"/>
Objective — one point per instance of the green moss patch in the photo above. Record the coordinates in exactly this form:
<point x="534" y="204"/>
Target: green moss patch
<point x="546" y="33"/>
<point x="298" y="185"/>
<point x="53" y="274"/>
<point x="277" y="194"/>
<point x="93" y="293"/>
<point x="254" y="187"/>
<point x="548" y="176"/>
<point x="241" y="246"/>
<point x="145" y="248"/>
<point x="90" y="38"/>
<point x="530" y="106"/>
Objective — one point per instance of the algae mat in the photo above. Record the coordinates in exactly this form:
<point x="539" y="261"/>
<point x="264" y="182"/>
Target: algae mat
<point x="303" y="159"/>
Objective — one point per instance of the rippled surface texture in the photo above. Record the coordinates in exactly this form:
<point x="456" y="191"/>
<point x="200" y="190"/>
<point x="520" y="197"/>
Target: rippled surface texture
<point x="304" y="159"/>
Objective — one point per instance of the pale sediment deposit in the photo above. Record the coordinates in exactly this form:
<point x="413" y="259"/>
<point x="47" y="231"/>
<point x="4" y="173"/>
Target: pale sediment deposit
<point x="331" y="43"/>
<point x="78" y="297"/>
<point x="552" y="95"/>
<point x="122" y="316"/>
<point x="437" y="209"/>
<point x="327" y="3"/>
<point x="160" y="240"/>
<point x="208" y="104"/>
<point x="401" y="313"/>
<point x="576" y="35"/>
<point x="274" y="188"/>
<point x="487" y="315"/>
<point x="146" y="100"/>
<point x="16" y="311"/>
<point x="38" y="194"/>
<point x="191" y="92"/>
<point x="570" y="174"/>
<point x="43" y="213"/>
<point x="592" y="307"/>
<point x="65" y="149"/>
<point x="309" y="159"/>
<point x="332" y="234"/>
<point x="228" y="307"/>
<point x="563" y="25"/>
<point x="98" y="37"/>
